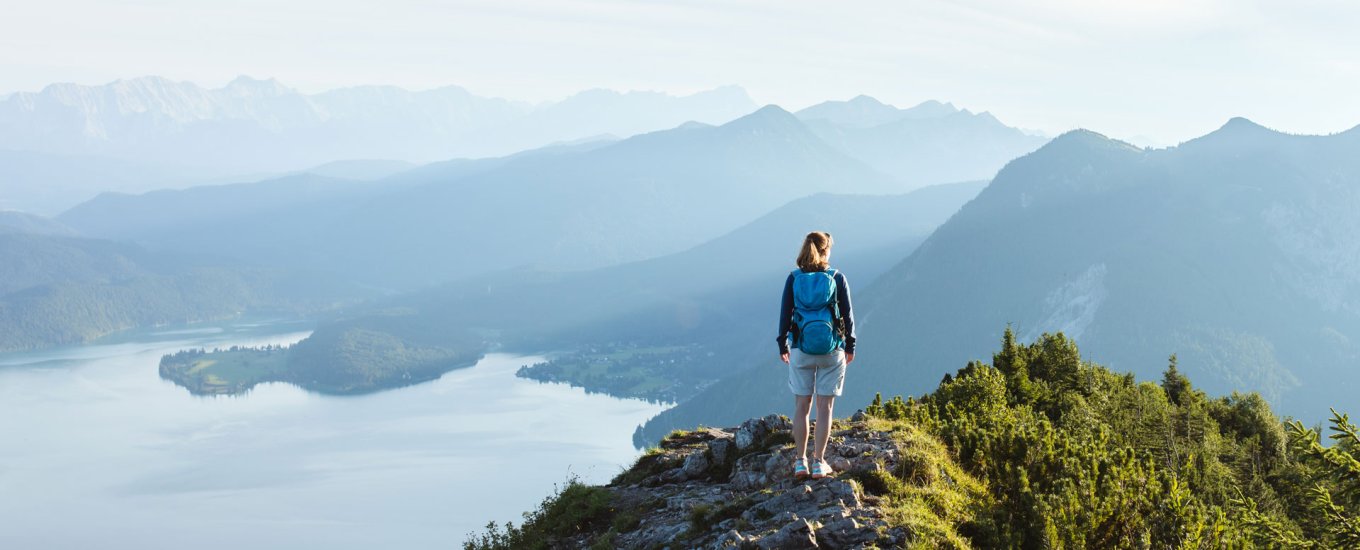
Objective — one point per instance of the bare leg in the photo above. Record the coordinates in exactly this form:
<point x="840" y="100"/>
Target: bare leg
<point x="823" y="432"/>
<point x="802" y="404"/>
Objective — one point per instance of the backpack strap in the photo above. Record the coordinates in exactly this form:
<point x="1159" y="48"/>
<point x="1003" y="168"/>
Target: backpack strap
<point x="837" y="323"/>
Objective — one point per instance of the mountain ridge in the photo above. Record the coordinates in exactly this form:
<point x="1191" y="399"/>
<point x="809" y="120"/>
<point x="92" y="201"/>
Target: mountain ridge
<point x="261" y="125"/>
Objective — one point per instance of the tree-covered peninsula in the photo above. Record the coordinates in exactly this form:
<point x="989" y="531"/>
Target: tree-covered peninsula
<point x="341" y="359"/>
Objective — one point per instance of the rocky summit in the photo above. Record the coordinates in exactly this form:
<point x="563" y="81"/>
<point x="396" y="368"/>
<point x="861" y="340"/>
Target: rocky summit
<point x="733" y="488"/>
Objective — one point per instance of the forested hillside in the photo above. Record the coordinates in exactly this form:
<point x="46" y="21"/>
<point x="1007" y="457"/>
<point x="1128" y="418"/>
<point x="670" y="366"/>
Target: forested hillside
<point x="64" y="290"/>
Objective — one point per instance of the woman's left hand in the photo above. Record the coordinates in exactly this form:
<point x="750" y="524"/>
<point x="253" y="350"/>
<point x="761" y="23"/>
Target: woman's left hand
<point x="849" y="358"/>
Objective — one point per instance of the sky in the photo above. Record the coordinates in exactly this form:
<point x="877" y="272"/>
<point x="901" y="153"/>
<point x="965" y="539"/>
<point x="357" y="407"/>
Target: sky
<point x="1151" y="70"/>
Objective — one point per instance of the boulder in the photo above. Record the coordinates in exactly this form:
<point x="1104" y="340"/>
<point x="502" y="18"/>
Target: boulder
<point x="720" y="449"/>
<point x="730" y="539"/>
<point x="696" y="464"/>
<point x="751" y="432"/>
<point x="844" y="533"/>
<point x="839" y="463"/>
<point x="797" y="534"/>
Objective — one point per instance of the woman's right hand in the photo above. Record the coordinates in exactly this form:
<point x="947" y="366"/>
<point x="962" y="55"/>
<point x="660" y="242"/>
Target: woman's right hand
<point x="784" y="357"/>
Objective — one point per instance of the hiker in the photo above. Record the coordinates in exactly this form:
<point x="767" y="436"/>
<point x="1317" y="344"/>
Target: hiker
<point x="817" y="340"/>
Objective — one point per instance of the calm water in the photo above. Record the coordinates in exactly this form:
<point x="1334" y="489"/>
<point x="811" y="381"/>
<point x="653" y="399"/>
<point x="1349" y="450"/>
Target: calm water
<point x="96" y="451"/>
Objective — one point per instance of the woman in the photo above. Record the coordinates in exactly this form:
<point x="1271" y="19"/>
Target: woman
<point x="816" y="320"/>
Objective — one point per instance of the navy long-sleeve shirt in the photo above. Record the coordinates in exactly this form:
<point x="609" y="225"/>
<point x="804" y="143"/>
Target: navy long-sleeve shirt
<point x="842" y="301"/>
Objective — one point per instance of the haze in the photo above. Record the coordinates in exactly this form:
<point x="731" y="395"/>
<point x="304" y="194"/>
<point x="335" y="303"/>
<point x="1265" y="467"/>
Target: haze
<point x="1155" y="72"/>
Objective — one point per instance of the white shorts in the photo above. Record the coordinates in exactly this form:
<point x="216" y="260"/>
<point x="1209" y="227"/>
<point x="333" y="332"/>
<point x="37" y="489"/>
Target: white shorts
<point x="823" y="373"/>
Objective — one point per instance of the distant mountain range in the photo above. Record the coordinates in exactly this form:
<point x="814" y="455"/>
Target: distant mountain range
<point x="1238" y="251"/>
<point x="172" y="133"/>
<point x="578" y="206"/>
<point x="253" y="124"/>
<point x="930" y="143"/>
<point x="68" y="142"/>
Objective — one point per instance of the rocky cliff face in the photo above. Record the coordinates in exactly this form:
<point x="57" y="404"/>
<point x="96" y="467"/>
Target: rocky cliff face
<point x="733" y="488"/>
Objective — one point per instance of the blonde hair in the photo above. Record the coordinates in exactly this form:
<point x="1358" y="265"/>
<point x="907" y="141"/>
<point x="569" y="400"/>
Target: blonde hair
<point x="815" y="253"/>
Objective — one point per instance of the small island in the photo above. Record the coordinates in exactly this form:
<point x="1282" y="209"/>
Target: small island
<point x="340" y="361"/>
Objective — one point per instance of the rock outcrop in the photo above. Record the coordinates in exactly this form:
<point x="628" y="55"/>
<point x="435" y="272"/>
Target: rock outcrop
<point x="733" y="488"/>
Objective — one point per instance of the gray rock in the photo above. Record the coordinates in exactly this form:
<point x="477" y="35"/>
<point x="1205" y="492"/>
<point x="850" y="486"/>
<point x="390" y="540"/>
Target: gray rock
<point x="798" y="501"/>
<point x="839" y="463"/>
<point x="845" y="492"/>
<point x="695" y="465"/>
<point x="833" y="513"/>
<point x="794" y="535"/>
<point x="754" y="462"/>
<point x="859" y="416"/>
<point x="777" y="467"/>
<point x="730" y="539"/>
<point x="720" y="448"/>
<point x="674" y="476"/>
<point x="747" y="480"/>
<point x="751" y="432"/>
<point x="844" y="533"/>
<point x="663" y="534"/>
<point x="775" y="422"/>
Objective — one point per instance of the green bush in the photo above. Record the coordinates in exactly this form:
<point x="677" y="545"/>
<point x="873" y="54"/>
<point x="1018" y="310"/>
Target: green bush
<point x="576" y="509"/>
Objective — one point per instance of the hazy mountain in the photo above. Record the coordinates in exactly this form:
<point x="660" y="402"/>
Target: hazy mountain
<point x="930" y="143"/>
<point x="218" y="217"/>
<point x="48" y="183"/>
<point x="262" y="125"/>
<point x="863" y="112"/>
<point x="567" y="206"/>
<point x="876" y="231"/>
<point x="361" y="169"/>
<point x="1237" y="251"/>
<point x="642" y="197"/>
<point x="598" y="113"/>
<point x="20" y="222"/>
<point x="62" y="290"/>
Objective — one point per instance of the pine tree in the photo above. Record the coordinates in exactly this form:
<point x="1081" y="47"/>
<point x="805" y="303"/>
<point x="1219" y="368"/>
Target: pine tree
<point x="1175" y="384"/>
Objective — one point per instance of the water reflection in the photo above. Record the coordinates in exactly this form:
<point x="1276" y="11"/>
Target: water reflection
<point x="97" y="451"/>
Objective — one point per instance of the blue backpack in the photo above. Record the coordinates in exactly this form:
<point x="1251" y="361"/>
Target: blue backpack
<point x="815" y="311"/>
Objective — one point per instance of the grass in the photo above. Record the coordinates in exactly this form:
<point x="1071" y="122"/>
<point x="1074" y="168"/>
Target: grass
<point x="227" y="371"/>
<point x="652" y="461"/>
<point x="576" y="509"/>
<point x="927" y="492"/>
<point x="201" y="364"/>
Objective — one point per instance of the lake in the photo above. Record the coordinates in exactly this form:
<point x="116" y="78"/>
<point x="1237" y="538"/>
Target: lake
<point x="97" y="451"/>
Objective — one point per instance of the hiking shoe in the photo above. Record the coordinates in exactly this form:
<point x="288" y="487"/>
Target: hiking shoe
<point x="800" y="470"/>
<point x="821" y="470"/>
